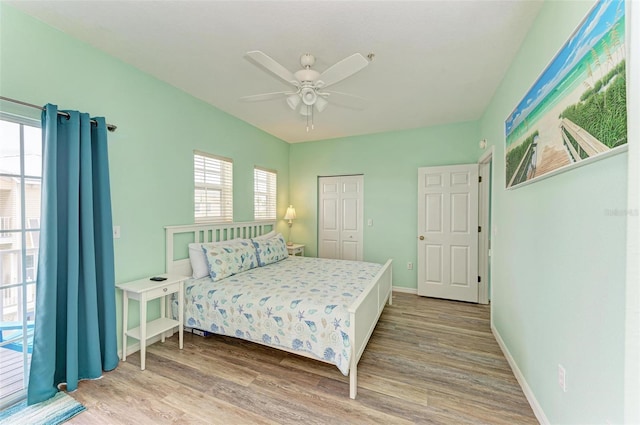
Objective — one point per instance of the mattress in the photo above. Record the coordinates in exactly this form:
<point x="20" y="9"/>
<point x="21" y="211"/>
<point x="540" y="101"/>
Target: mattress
<point x="299" y="304"/>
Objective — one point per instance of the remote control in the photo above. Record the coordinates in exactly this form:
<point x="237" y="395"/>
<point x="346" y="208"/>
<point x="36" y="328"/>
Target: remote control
<point x="158" y="278"/>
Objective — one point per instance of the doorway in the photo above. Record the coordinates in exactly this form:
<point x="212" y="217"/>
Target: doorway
<point x="20" y="193"/>
<point x="485" y="167"/>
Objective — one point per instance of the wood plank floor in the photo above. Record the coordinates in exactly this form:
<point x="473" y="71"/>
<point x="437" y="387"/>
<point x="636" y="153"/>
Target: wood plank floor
<point x="428" y="361"/>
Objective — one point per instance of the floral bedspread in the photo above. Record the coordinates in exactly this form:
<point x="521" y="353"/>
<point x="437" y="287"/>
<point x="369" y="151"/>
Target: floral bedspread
<point x="299" y="303"/>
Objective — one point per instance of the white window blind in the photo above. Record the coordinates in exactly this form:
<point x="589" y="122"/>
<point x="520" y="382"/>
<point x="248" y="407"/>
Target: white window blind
<point x="213" y="183"/>
<point x="264" y="194"/>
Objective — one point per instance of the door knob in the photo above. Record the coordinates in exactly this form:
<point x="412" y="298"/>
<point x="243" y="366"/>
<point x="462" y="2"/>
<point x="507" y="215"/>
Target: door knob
<point x="421" y="238"/>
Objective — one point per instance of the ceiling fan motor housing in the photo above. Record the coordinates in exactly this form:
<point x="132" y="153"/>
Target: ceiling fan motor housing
<point x="306" y="75"/>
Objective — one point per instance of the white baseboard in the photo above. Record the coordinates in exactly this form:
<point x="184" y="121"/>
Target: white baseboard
<point x="531" y="398"/>
<point x="405" y="290"/>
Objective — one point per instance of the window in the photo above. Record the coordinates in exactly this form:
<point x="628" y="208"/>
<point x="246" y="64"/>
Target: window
<point x="213" y="182"/>
<point x="264" y="194"/>
<point x="20" y="188"/>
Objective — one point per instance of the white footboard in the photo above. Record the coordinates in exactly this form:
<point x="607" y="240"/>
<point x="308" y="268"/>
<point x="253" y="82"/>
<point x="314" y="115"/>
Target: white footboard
<point x="364" y="314"/>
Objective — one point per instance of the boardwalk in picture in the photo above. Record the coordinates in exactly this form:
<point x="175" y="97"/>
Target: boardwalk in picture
<point x="586" y="142"/>
<point x="551" y="159"/>
<point x="561" y="152"/>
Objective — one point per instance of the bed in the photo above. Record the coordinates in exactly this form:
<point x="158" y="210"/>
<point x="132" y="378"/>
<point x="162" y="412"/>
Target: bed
<point x="318" y="308"/>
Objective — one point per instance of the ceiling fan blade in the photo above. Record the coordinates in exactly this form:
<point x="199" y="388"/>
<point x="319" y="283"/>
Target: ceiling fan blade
<point x="346" y="100"/>
<point x="266" y="96"/>
<point x="341" y="70"/>
<point x="272" y="66"/>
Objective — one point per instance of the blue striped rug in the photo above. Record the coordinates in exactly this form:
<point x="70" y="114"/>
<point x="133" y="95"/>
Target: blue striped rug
<point x="58" y="409"/>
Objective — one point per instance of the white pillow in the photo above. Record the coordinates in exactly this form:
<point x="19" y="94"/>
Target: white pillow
<point x="266" y="235"/>
<point x="198" y="260"/>
<point x="199" y="263"/>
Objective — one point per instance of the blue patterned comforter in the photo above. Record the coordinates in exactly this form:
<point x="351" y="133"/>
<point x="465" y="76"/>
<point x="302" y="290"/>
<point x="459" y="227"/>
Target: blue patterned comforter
<point x="299" y="303"/>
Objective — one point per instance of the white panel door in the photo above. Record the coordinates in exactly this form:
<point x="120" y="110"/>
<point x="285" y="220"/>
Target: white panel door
<point x="351" y="219"/>
<point x="448" y="232"/>
<point x="329" y="222"/>
<point x="341" y="217"/>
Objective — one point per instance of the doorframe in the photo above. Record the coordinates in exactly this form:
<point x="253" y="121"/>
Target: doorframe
<point x="485" y="171"/>
<point x="318" y="210"/>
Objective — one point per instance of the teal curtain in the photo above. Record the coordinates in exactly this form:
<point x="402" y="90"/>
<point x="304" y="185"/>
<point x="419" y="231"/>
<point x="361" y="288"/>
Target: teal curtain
<point x="75" y="323"/>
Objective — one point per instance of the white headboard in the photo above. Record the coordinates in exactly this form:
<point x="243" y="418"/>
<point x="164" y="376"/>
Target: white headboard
<point x="179" y="237"/>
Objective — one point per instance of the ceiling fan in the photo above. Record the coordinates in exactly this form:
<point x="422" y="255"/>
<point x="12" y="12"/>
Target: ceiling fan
<point x="309" y="85"/>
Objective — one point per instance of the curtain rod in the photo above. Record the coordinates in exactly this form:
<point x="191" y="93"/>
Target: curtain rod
<point x="110" y="127"/>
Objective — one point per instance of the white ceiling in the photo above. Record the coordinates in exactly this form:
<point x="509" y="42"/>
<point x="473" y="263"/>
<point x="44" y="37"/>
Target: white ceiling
<point x="436" y="62"/>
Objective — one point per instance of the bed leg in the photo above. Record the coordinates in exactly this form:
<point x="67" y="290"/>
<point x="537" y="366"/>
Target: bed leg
<point x="353" y="382"/>
<point x="391" y="298"/>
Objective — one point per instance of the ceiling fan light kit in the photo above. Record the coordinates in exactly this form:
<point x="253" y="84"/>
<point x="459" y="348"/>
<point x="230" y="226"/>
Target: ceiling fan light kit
<point x="308" y="82"/>
<point x="306" y="111"/>
<point x="308" y="95"/>
<point x="293" y="101"/>
<point x="321" y="103"/>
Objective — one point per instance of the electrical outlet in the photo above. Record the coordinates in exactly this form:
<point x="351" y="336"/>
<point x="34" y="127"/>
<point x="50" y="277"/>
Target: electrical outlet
<point x="409" y="265"/>
<point x="562" y="378"/>
<point x="116" y="232"/>
<point x="370" y="222"/>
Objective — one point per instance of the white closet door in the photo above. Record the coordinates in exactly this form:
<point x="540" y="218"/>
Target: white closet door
<point x="329" y="223"/>
<point x="351" y="219"/>
<point x="341" y="217"/>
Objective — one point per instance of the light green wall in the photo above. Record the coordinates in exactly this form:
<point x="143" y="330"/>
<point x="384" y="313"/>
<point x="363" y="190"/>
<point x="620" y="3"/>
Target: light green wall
<point x="151" y="153"/>
<point x="558" y="264"/>
<point x="389" y="162"/>
<point x="558" y="275"/>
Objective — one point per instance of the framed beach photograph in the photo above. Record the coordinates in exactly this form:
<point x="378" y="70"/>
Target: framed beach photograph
<point x="576" y="110"/>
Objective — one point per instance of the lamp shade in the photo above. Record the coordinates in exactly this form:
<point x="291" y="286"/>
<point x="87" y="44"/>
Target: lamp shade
<point x="308" y="96"/>
<point x="293" y="101"/>
<point x="321" y="103"/>
<point x="291" y="213"/>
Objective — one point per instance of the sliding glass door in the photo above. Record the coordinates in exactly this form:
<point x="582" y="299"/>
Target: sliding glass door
<point x="20" y="183"/>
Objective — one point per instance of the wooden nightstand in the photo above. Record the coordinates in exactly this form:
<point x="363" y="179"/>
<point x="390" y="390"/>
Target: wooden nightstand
<point x="145" y="290"/>
<point x="296" y="249"/>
